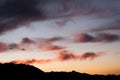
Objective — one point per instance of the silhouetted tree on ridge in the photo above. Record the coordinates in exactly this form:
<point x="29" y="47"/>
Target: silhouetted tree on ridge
<point x="28" y="72"/>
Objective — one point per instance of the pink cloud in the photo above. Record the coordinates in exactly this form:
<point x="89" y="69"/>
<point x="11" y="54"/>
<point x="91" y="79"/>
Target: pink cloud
<point x="64" y="55"/>
<point x="3" y="47"/>
<point x="82" y="37"/>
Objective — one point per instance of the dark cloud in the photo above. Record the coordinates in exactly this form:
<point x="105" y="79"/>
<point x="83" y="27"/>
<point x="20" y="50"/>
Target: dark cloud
<point x="98" y="37"/>
<point x="107" y="37"/>
<point x="28" y="41"/>
<point x="15" y="13"/>
<point x="19" y="8"/>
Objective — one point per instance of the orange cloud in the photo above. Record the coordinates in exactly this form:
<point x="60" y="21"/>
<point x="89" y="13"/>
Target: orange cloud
<point x="30" y="61"/>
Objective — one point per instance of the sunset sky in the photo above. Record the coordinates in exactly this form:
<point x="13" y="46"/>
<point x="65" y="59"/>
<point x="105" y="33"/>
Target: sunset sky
<point x="61" y="35"/>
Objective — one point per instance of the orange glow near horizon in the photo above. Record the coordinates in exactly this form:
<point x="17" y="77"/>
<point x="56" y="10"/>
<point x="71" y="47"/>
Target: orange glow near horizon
<point x="49" y="61"/>
<point x="98" y="66"/>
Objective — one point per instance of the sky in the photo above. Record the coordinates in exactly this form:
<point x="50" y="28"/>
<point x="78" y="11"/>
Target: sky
<point x="61" y="35"/>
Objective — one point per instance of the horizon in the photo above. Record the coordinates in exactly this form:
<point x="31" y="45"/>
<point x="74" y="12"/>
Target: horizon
<point x="55" y="71"/>
<point x="61" y="35"/>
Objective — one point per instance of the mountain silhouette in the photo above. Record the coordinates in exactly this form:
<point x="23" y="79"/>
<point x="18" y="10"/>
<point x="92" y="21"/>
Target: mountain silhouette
<point x="13" y="71"/>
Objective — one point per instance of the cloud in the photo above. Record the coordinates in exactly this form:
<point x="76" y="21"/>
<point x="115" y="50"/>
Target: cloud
<point x="32" y="44"/>
<point x="64" y="55"/>
<point x="42" y="44"/>
<point x="19" y="8"/>
<point x="115" y="25"/>
<point x="47" y="44"/>
<point x="107" y="37"/>
<point x="97" y="37"/>
<point x="3" y="47"/>
<point x="31" y="61"/>
<point x="28" y="41"/>
<point x="88" y="55"/>
<point x="91" y="55"/>
<point x="83" y="37"/>
<point x="13" y="46"/>
<point x="53" y="39"/>
<point x="49" y="47"/>
<point x="25" y="44"/>
<point x="15" y="13"/>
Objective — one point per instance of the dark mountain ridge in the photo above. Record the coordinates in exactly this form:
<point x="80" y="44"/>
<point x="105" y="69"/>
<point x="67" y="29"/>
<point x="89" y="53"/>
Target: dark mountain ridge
<point x="28" y="72"/>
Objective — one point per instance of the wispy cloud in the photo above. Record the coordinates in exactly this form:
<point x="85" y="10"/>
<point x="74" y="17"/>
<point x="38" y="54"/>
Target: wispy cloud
<point x="49" y="47"/>
<point x="42" y="44"/>
<point x="31" y="61"/>
<point x="54" y="39"/>
<point x="114" y="25"/>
